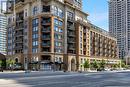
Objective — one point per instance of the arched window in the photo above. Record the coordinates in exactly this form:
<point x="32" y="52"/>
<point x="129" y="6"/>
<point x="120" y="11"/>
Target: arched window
<point x="16" y="60"/>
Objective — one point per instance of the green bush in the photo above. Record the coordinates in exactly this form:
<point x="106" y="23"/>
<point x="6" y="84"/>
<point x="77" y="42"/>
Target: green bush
<point x="86" y="64"/>
<point x="95" y="65"/>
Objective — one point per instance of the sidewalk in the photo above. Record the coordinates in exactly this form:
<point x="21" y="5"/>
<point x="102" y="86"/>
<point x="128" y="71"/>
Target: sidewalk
<point x="8" y="71"/>
<point x="89" y="72"/>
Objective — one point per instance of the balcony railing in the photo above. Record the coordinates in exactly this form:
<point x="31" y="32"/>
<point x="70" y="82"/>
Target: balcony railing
<point x="71" y="47"/>
<point x="46" y="44"/>
<point x="71" y="27"/>
<point x="46" y="21"/>
<point x="47" y="37"/>
<point x="72" y="34"/>
<point x="71" y="41"/>
<point x="70" y="19"/>
<point x="46" y="30"/>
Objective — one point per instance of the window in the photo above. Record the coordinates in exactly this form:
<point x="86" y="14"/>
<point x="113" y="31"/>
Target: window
<point x="60" y="30"/>
<point x="35" y="22"/>
<point x="70" y="15"/>
<point x="57" y="43"/>
<point x="56" y="28"/>
<point x="35" y="36"/>
<point x="46" y="8"/>
<point x="59" y="50"/>
<point x="56" y="36"/>
<point x="80" y="51"/>
<point x="55" y="11"/>
<point x="81" y="60"/>
<point x="35" y="29"/>
<point x="34" y="50"/>
<point x="56" y="59"/>
<point x="60" y="13"/>
<point x="56" y="21"/>
<point x="60" y="23"/>
<point x="35" y="10"/>
<point x="60" y="59"/>
<point x="35" y="43"/>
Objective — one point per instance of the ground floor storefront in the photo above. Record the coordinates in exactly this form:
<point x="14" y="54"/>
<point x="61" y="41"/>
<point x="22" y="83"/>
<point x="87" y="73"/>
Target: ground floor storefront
<point x="58" y="62"/>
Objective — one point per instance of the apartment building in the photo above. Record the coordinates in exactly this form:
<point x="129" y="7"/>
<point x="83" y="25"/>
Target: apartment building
<point x="3" y="24"/>
<point x="46" y="33"/>
<point x="95" y="43"/>
<point x="119" y="24"/>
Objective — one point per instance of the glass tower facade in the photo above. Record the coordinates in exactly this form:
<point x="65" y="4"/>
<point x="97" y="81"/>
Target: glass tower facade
<point x="3" y="23"/>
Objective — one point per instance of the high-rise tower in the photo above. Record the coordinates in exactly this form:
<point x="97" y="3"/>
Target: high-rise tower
<point x="3" y="24"/>
<point x="119" y="24"/>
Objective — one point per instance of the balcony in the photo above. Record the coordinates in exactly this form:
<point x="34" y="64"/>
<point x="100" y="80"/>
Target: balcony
<point x="70" y="19"/>
<point x="18" y="47"/>
<point x="71" y="34"/>
<point x="19" y="34"/>
<point x="71" y="48"/>
<point x="71" y="27"/>
<point x="19" y="19"/>
<point x="46" y="44"/>
<point x="71" y="41"/>
<point x="18" y="41"/>
<point x="44" y="49"/>
<point x="46" y="37"/>
<point x="46" y="21"/>
<point x="46" y="30"/>
<point x="19" y="26"/>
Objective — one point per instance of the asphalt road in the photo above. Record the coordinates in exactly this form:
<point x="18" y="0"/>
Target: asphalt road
<point x="60" y="79"/>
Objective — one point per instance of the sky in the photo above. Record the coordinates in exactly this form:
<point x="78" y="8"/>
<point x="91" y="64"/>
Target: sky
<point x="98" y="12"/>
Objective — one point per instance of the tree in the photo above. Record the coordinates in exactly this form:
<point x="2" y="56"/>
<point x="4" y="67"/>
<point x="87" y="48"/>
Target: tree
<point x="95" y="65"/>
<point x="102" y="64"/>
<point x="0" y="63"/>
<point x="114" y="66"/>
<point x="123" y="64"/>
<point x="10" y="63"/>
<point x="86" y="64"/>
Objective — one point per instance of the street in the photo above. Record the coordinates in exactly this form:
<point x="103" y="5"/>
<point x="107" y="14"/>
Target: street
<point x="68" y="79"/>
